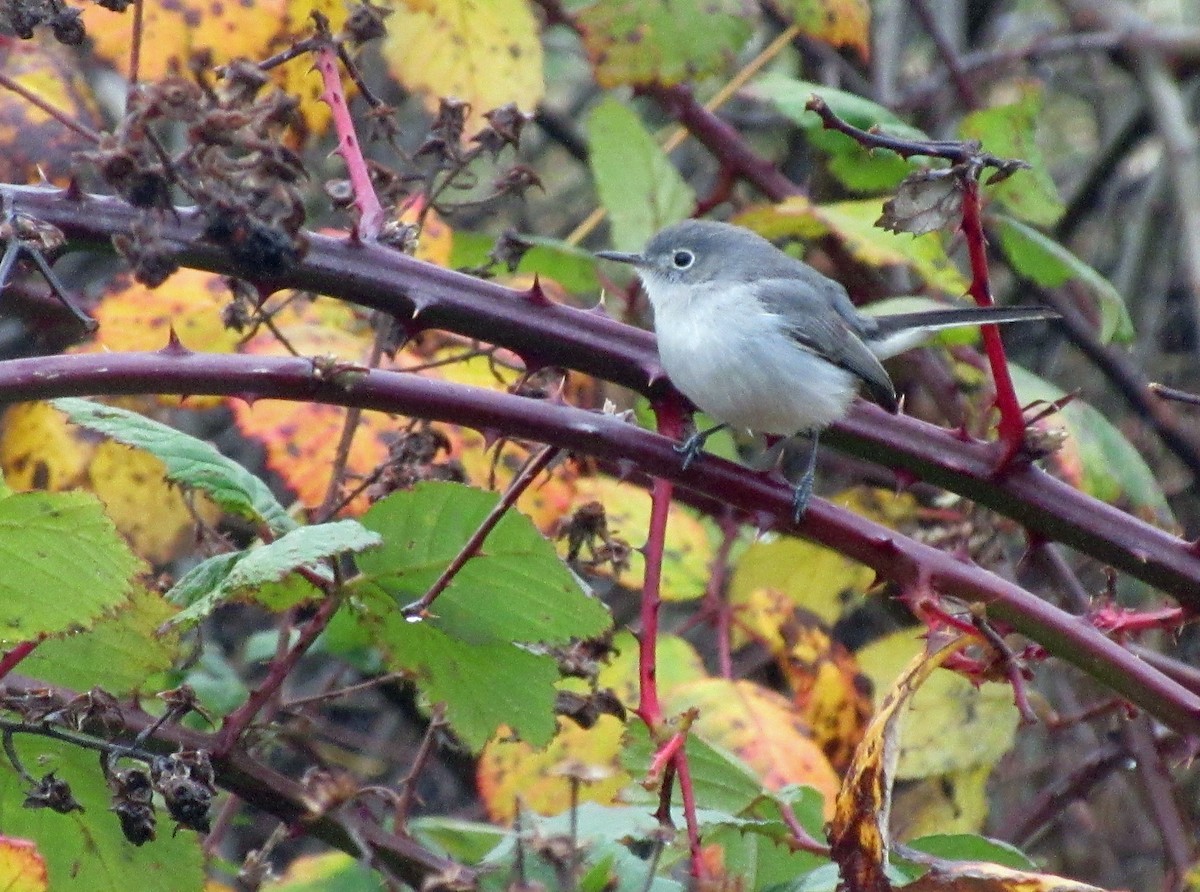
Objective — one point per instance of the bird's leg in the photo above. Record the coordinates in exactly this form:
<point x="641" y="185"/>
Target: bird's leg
<point x="802" y="494"/>
<point x="690" y="448"/>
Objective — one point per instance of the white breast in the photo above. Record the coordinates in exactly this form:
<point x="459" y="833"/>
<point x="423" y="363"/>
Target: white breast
<point x="732" y="360"/>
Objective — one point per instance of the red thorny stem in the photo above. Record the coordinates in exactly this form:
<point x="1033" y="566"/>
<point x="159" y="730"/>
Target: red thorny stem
<point x="670" y="424"/>
<point x="1012" y="421"/>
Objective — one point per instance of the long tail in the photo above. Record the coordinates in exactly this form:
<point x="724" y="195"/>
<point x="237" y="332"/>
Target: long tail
<point x="932" y="320"/>
<point x="902" y="331"/>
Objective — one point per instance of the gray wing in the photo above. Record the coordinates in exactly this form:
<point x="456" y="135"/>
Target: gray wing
<point x="820" y="317"/>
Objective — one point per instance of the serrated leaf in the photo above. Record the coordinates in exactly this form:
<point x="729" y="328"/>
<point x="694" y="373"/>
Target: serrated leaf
<point x="514" y="589"/>
<point x="268" y="565"/>
<point x="64" y="564"/>
<point x="190" y="462"/>
<point x="86" y="850"/>
<point x="1009" y="132"/>
<point x="483" y="685"/>
<point x="117" y="654"/>
<point x="633" y="42"/>
<point x="1049" y="263"/>
<point x="637" y="184"/>
<point x="722" y="781"/>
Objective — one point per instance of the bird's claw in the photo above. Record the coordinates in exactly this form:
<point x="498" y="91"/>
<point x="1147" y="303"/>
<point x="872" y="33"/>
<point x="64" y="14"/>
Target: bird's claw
<point x="690" y="448"/>
<point x="801" y="496"/>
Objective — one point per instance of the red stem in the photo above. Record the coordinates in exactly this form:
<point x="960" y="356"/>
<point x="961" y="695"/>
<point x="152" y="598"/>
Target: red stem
<point x="688" y="792"/>
<point x="235" y="723"/>
<point x="1012" y="420"/>
<point x="370" y="212"/>
<point x="14" y="656"/>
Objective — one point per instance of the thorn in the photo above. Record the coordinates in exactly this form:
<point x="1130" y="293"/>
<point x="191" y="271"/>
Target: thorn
<point x="600" y="309"/>
<point x="905" y="479"/>
<point x="962" y="433"/>
<point x="248" y="398"/>
<point x="625" y="468"/>
<point x="174" y="346"/>
<point x="491" y="436"/>
<point x="536" y="294"/>
<point x="73" y="191"/>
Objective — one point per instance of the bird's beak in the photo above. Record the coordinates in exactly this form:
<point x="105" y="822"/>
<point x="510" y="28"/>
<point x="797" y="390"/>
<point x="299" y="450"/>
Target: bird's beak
<point x="621" y="257"/>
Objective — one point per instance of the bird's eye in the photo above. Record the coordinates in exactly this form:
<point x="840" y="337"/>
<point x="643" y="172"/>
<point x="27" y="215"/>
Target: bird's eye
<point x="683" y="259"/>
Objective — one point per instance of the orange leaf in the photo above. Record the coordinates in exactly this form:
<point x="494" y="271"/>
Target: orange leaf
<point x="22" y="867"/>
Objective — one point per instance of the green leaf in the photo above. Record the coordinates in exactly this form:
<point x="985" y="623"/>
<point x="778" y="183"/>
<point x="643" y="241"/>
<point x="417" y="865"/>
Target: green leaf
<point x="969" y="847"/>
<point x="1008" y="131"/>
<point x="117" y="654"/>
<point x="632" y="42"/>
<point x="1096" y="457"/>
<point x="483" y="685"/>
<point x="258" y="572"/>
<point x="570" y="266"/>
<point x="1047" y="262"/>
<point x="853" y="222"/>
<point x="465" y="841"/>
<point x="636" y="182"/>
<point x="64" y="564"/>
<point x="854" y="166"/>
<point x="190" y="462"/>
<point x="721" y="780"/>
<point x="515" y="589"/>
<point x="86" y="851"/>
<point x="758" y="860"/>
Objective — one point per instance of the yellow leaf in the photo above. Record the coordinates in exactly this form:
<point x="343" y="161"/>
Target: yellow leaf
<point x="979" y="876"/>
<point x="678" y="664"/>
<point x="35" y="144"/>
<point x="39" y="450"/>
<point x="509" y="770"/>
<point x="955" y="802"/>
<point x="688" y="548"/>
<point x="853" y="222"/>
<point x="836" y="22"/>
<point x="810" y="575"/>
<point x="485" y="52"/>
<point x="984" y="718"/>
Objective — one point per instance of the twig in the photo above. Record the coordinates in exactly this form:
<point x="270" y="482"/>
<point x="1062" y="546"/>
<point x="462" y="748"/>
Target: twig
<point x="966" y="92"/>
<point x="57" y="114"/>
<point x="536" y="464"/>
<point x="237" y="721"/>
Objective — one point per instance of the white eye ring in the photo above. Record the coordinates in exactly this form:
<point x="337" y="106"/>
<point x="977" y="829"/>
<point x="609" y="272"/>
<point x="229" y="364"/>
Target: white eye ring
<point x="682" y="259"/>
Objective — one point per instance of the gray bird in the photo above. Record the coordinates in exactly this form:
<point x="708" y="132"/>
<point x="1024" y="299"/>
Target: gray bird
<point x="762" y="341"/>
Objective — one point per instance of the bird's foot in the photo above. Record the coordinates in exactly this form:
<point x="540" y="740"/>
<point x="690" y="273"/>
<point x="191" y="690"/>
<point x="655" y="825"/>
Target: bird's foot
<point x="801" y="496"/>
<point x="690" y="448"/>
